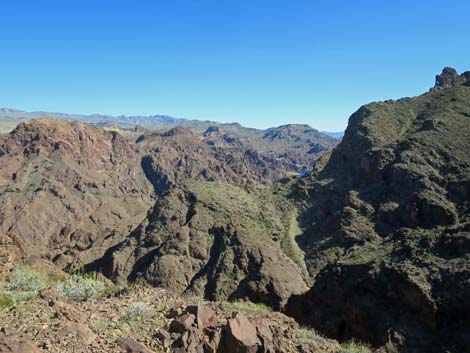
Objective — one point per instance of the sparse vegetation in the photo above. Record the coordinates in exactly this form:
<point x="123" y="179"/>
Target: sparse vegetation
<point x="6" y="301"/>
<point x="137" y="310"/>
<point x="56" y="277"/>
<point x="354" y="347"/>
<point x="26" y="279"/>
<point x="309" y="334"/>
<point x="79" y="288"/>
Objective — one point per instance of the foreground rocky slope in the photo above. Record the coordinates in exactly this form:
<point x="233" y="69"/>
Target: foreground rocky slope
<point x="145" y="320"/>
<point x="388" y="227"/>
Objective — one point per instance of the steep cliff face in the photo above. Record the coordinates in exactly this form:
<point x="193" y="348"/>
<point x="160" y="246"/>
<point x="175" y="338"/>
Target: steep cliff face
<point x="388" y="225"/>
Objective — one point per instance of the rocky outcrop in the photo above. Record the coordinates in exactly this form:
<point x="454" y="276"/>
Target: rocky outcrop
<point x="191" y="333"/>
<point x="384" y="221"/>
<point x="450" y="78"/>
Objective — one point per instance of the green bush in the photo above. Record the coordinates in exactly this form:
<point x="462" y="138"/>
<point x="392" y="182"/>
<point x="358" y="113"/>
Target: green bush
<point x="79" y="288"/>
<point x="6" y="301"/>
<point x="26" y="279"/>
<point x="354" y="347"/>
<point x="309" y="334"/>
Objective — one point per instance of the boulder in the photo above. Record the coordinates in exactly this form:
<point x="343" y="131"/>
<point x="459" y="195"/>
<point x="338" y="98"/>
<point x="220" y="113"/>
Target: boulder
<point x="183" y="323"/>
<point x="205" y="317"/>
<point x="164" y="337"/>
<point x="241" y="335"/>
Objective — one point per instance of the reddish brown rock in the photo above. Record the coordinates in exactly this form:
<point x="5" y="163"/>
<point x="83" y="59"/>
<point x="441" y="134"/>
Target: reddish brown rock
<point x="132" y="346"/>
<point x="205" y="317"/>
<point x="183" y="323"/>
<point x="241" y="335"/>
<point x="164" y="337"/>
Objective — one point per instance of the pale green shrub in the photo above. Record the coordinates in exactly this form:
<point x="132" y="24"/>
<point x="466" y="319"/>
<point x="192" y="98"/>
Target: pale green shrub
<point x="309" y="334"/>
<point x="354" y="347"/>
<point x="26" y="279"/>
<point x="79" y="288"/>
<point x="137" y="310"/>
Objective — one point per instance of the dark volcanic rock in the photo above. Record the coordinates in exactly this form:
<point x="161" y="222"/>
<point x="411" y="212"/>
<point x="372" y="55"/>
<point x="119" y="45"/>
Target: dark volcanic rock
<point x="450" y="78"/>
<point x="387" y="227"/>
<point x="241" y="335"/>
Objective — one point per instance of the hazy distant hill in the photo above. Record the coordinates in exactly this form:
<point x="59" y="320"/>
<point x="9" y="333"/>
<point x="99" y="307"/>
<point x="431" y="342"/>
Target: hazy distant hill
<point x="336" y="135"/>
<point x="9" y="118"/>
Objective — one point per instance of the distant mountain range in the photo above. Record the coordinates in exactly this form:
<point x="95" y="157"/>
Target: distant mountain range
<point x="9" y="118"/>
<point x="336" y="135"/>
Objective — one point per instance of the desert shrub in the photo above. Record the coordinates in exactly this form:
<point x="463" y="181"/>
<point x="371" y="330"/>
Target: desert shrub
<point x="24" y="295"/>
<point x="79" y="288"/>
<point x="6" y="301"/>
<point x="137" y="310"/>
<point x="354" y="347"/>
<point x="309" y="334"/>
<point x="26" y="279"/>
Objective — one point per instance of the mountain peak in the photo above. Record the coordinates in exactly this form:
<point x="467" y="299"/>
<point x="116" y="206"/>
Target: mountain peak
<point x="450" y="78"/>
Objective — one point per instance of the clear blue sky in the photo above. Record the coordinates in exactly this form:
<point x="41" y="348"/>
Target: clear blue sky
<point x="259" y="62"/>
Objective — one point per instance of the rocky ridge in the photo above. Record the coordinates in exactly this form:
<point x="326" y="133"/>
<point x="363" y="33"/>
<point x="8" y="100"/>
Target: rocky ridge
<point x="387" y="225"/>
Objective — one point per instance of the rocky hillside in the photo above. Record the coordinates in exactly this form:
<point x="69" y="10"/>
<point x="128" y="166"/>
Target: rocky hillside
<point x="213" y="240"/>
<point x="388" y="225"/>
<point x="67" y="188"/>
<point x="298" y="145"/>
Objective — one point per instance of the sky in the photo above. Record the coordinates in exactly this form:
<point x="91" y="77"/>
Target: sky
<point x="261" y="63"/>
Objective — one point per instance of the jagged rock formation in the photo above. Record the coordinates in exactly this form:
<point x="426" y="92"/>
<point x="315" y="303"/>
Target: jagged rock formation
<point x="388" y="225"/>
<point x="450" y="78"/>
